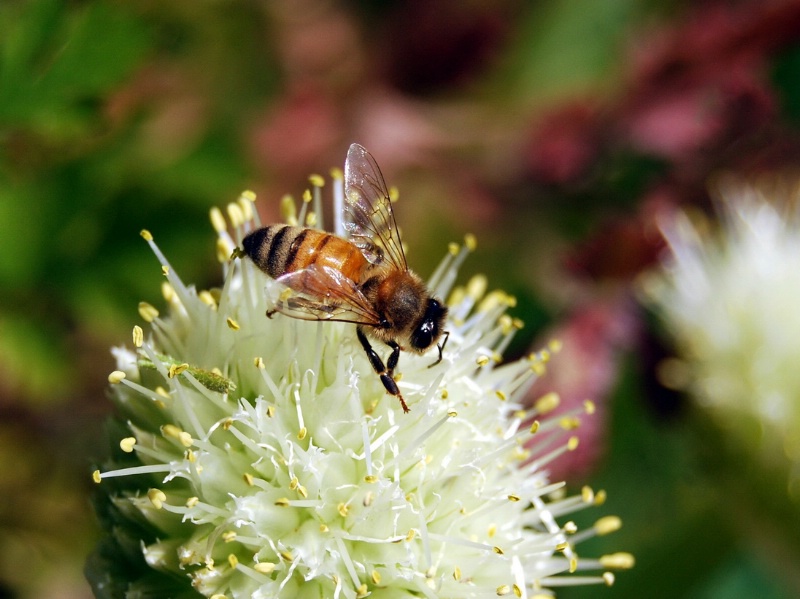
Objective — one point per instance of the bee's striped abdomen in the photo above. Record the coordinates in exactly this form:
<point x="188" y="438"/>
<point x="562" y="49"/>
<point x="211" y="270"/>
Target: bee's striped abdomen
<point x="280" y="249"/>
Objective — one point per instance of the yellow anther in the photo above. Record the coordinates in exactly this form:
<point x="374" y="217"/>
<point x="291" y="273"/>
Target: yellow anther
<point x="563" y="546"/>
<point x="376" y="577"/>
<point x="147" y="312"/>
<point x="301" y="434"/>
<point x="491" y="531"/>
<point x="513" y="497"/>
<point x="232" y="324"/>
<point x="288" y="209"/>
<point x="248" y="195"/>
<point x="457" y="296"/>
<point x="482" y="360"/>
<point x="570" y="528"/>
<point x="116" y="377"/>
<point x="146" y="235"/>
<point x="165" y="270"/>
<point x="336" y="173"/>
<point x="547" y="402"/>
<point x="573" y="564"/>
<point x="307" y="197"/>
<point x="162" y="392"/>
<point x="555" y="345"/>
<point x="492" y="300"/>
<point x="311" y="219"/>
<point x="127" y="444"/>
<point x="362" y="591"/>
<point x="500" y="395"/>
<point x="176" y="369"/>
<point x="138" y="336"/>
<point x="619" y="561"/>
<point x="168" y="292"/>
<point x="589" y="407"/>
<point x="316" y="180"/>
<point x="157" y="497"/>
<point x="503" y="589"/>
<point x="323" y="528"/>
<point x="452" y="413"/>
<point x="569" y="423"/>
<point x="208" y="299"/>
<point x="246" y="206"/>
<point x="233" y="561"/>
<point x="600" y="497"/>
<point x="97" y="477"/>
<point x="282" y="502"/>
<point x="476" y="287"/>
<point x="506" y="324"/>
<point x="470" y="241"/>
<point x="264" y="567"/>
<point x="445" y="394"/>
<point x="498" y="551"/>
<point x="587" y="494"/>
<point x="410" y="536"/>
<point x="229" y="536"/>
<point x="370" y="479"/>
<point x="607" y="524"/>
<point x="192" y="501"/>
<point x="394" y="194"/>
<point x="286" y="555"/>
<point x="270" y="411"/>
<point x="517" y="590"/>
<point x="608" y="578"/>
<point x="217" y="220"/>
<point x="534" y="427"/>
<point x="342" y="508"/>
<point x="302" y="491"/>
<point x="538" y="368"/>
<point x="457" y="574"/>
<point x="235" y="214"/>
<point x="572" y="443"/>
<point x="453" y="248"/>
<point x="258" y="362"/>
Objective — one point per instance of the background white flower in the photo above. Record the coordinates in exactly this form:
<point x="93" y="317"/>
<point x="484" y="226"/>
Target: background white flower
<point x="730" y="300"/>
<point x="263" y="458"/>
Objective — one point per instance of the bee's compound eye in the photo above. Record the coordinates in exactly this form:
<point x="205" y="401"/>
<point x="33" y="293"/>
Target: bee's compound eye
<point x="430" y="327"/>
<point x="423" y="335"/>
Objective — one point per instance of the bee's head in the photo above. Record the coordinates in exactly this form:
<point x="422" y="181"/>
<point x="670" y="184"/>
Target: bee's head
<point x="429" y="328"/>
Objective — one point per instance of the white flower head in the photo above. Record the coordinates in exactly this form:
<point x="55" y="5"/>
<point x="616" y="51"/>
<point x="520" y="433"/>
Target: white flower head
<point x="730" y="300"/>
<point x="262" y="457"/>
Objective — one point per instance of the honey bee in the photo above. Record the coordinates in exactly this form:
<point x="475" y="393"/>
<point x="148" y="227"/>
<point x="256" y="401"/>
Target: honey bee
<point x="362" y="279"/>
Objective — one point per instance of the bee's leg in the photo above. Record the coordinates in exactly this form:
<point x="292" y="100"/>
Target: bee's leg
<point x="394" y="357"/>
<point x="441" y="349"/>
<point x="377" y="365"/>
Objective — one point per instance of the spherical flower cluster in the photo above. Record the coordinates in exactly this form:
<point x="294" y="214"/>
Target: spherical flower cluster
<point x="262" y="457"/>
<point x="730" y="302"/>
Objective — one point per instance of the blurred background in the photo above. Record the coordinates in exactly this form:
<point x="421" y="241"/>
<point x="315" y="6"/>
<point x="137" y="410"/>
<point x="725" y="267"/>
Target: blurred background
<point x="555" y="131"/>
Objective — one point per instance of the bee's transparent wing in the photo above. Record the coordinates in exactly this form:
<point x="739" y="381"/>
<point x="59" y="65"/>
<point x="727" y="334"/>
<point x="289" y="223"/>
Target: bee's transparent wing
<point x="322" y="293"/>
<point x="369" y="219"/>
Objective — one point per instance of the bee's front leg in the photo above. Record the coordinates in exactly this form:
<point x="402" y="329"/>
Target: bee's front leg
<point x="384" y="373"/>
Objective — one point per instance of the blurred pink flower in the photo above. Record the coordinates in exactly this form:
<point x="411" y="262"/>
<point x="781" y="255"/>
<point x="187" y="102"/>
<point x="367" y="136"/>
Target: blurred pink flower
<point x="564" y="143"/>
<point x="587" y="368"/>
